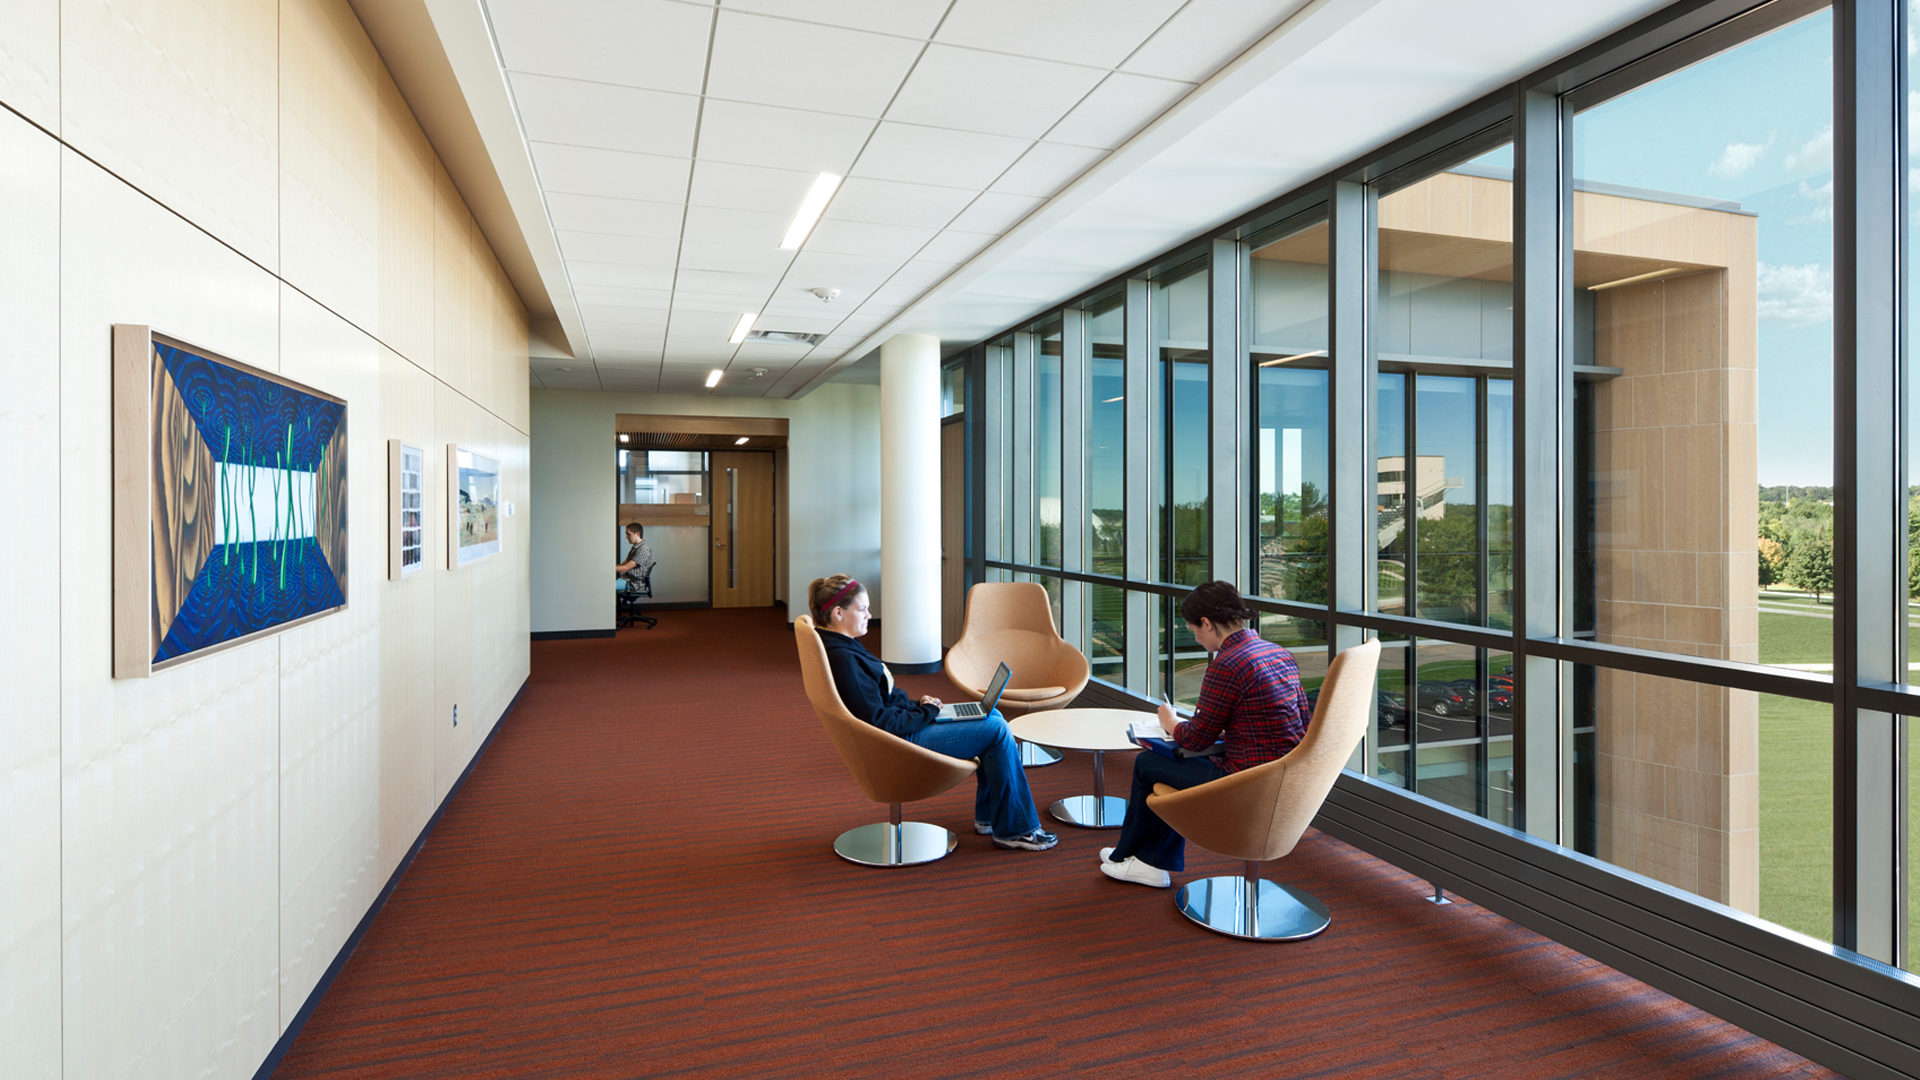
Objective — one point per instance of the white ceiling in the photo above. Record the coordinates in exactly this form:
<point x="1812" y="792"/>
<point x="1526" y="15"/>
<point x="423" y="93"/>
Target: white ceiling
<point x="1000" y="155"/>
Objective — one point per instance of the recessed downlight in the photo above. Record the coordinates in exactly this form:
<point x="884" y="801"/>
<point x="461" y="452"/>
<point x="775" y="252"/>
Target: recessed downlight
<point x="713" y="378"/>
<point x="623" y="436"/>
<point x="741" y="441"/>
<point x="810" y="210"/>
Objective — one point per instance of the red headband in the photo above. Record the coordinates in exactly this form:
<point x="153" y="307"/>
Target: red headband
<point x="846" y="590"/>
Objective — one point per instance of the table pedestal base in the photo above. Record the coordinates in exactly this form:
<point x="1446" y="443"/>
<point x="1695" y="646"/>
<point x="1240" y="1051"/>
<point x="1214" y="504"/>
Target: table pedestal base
<point x="1091" y="811"/>
<point x="1033" y="755"/>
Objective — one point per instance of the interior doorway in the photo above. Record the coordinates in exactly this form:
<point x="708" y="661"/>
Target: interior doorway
<point x="742" y="529"/>
<point x="708" y="490"/>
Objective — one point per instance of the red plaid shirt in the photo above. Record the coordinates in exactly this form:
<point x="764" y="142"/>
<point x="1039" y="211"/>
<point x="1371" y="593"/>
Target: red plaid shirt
<point x="1251" y="697"/>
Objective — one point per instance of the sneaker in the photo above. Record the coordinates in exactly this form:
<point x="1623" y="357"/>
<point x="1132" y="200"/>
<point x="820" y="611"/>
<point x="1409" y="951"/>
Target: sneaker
<point x="1106" y="854"/>
<point x="984" y="828"/>
<point x="1137" y="872"/>
<point x="1037" y="840"/>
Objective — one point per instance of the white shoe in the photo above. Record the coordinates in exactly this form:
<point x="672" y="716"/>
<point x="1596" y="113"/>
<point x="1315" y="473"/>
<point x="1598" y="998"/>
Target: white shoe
<point x="1137" y="872"/>
<point x="1106" y="853"/>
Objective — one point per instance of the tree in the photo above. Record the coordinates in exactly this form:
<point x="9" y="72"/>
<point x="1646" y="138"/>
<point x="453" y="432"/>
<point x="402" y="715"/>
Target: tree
<point x="1811" y="565"/>
<point x="1773" y="561"/>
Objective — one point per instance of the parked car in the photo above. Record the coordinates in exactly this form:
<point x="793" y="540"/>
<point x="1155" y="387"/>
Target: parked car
<point x="1392" y="708"/>
<point x="1440" y="699"/>
<point x="1500" y="701"/>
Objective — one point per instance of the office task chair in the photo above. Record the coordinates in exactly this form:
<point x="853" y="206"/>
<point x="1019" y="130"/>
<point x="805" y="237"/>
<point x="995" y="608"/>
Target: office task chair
<point x="888" y="769"/>
<point x="627" y="603"/>
<point x="1259" y="813"/>
<point x="1012" y="621"/>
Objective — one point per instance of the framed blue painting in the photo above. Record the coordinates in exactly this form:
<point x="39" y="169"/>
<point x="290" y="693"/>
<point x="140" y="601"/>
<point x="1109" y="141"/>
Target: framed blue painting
<point x="230" y="502"/>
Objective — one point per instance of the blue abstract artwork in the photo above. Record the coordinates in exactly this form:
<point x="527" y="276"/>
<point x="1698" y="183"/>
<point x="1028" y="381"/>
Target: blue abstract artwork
<point x="249" y="502"/>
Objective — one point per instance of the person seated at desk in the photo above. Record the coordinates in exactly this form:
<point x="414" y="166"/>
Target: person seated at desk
<point x="1250" y="698"/>
<point x="630" y="574"/>
<point x="1002" y="804"/>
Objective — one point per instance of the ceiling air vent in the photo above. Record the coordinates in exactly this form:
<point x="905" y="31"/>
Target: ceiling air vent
<point x="785" y="337"/>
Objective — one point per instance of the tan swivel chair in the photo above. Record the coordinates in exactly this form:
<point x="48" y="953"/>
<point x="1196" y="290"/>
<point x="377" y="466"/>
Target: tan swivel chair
<point x="1259" y="813"/>
<point x="1012" y="621"/>
<point x="888" y="769"/>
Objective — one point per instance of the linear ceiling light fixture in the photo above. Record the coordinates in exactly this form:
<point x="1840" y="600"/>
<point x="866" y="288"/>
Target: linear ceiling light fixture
<point x="740" y="328"/>
<point x="1637" y="278"/>
<point x="811" y="208"/>
<point x="713" y="378"/>
<point x="1291" y="359"/>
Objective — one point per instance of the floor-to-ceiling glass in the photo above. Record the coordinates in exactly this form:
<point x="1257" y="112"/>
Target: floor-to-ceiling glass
<point x="1286" y="315"/>
<point x="1105" y="462"/>
<point x="1703" y="290"/>
<point x="1182" y="480"/>
<point x="1046" y="445"/>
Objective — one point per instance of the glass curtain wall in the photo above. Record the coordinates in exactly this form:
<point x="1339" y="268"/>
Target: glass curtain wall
<point x="1703" y="262"/>
<point x="1684" y="673"/>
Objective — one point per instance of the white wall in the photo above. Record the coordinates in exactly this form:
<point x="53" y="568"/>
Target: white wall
<point x="832" y="493"/>
<point x="185" y="854"/>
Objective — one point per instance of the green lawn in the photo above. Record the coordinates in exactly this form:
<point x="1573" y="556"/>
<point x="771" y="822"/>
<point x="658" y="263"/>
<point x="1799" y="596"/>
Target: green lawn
<point x="1796" y="780"/>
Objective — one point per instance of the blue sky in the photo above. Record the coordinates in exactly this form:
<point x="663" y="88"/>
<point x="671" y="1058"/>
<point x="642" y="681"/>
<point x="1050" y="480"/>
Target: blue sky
<point x="1752" y="126"/>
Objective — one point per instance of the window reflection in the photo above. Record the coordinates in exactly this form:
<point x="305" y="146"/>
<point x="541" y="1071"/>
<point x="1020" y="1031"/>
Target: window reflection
<point x="1182" y="485"/>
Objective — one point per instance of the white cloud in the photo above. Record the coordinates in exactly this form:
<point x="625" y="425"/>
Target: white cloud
<point x="1796" y="295"/>
<point x="1738" y="157"/>
<point x="1815" y="155"/>
<point x="1822" y="199"/>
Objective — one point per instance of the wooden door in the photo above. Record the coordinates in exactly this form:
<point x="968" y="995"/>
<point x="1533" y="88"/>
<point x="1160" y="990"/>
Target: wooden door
<point x="953" y="522"/>
<point x="742" y="529"/>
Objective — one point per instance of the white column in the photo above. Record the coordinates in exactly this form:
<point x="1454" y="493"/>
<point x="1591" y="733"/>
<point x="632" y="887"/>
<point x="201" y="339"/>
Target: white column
<point x="910" y="498"/>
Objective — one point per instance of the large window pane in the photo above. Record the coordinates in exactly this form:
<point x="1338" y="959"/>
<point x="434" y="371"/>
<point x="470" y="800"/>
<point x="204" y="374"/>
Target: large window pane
<point x="1287" y="328"/>
<point x="1444" y="334"/>
<point x="1703" y="275"/>
<point x="1107" y="632"/>
<point x="1046" y="448"/>
<point x="1182" y="483"/>
<point x="1106" y="448"/>
<point x="1724" y="793"/>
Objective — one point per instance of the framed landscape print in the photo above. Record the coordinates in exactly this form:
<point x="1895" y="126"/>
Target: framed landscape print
<point x="473" y="506"/>
<point x="406" y="509"/>
<point x="229" y="502"/>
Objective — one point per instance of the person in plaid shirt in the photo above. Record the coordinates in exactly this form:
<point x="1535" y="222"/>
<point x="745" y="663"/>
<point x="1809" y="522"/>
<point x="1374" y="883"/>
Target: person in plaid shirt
<point x="1250" y="703"/>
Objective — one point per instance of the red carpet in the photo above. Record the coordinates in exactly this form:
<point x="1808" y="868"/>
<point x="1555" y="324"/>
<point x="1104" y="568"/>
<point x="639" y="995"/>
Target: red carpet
<point x="637" y="881"/>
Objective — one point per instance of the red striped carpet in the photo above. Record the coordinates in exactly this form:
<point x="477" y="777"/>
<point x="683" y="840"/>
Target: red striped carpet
<point x="637" y="881"/>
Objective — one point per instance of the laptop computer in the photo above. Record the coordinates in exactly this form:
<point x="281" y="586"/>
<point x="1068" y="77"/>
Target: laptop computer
<point x="967" y="710"/>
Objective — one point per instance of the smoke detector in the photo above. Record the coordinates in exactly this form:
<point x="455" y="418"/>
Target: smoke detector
<point x="825" y="294"/>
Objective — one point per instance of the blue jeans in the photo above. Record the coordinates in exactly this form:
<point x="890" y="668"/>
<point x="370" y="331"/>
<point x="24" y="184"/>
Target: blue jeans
<point x="1001" y="798"/>
<point x="1144" y="835"/>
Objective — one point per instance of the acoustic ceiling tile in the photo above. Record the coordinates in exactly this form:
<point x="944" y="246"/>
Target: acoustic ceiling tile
<point x="627" y="217"/>
<point x="655" y="44"/>
<point x="609" y="117"/>
<point x="752" y="228"/>
<point x="619" y="276"/>
<point x="580" y="170"/>
<point x="1046" y="168"/>
<point x="931" y="155"/>
<point x="735" y="258"/>
<point x="749" y="187"/>
<point x="890" y="202"/>
<point x="625" y="250"/>
<point x="1117" y="109"/>
<point x="970" y="90"/>
<point x="867" y="238"/>
<point x="905" y="18"/>
<point x="745" y="133"/>
<point x="1100" y="33"/>
<point x="805" y="65"/>
<point x="995" y="212"/>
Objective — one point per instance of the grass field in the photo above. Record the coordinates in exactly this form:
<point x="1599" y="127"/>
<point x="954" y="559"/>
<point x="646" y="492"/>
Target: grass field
<point x="1796" y="777"/>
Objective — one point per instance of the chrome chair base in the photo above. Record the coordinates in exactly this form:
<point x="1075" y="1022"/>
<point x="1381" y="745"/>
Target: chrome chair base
<point x="1276" y="913"/>
<point x="1034" y="756"/>
<point x="907" y="843"/>
<point x="1091" y="811"/>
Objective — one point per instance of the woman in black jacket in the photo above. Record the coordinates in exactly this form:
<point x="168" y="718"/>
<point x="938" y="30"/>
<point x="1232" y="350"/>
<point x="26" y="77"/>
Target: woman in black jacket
<point x="1002" y="805"/>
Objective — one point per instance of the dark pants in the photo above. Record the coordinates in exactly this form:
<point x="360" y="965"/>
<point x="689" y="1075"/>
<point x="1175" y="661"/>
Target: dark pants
<point x="1144" y="835"/>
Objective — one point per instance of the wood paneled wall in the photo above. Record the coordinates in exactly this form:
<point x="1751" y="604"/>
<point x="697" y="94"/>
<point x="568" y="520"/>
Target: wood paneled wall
<point x="187" y="853"/>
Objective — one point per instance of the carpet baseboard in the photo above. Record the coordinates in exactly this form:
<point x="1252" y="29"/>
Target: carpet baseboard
<point x="568" y="635"/>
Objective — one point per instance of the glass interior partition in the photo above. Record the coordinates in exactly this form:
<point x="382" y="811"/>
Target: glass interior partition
<point x="666" y="492"/>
